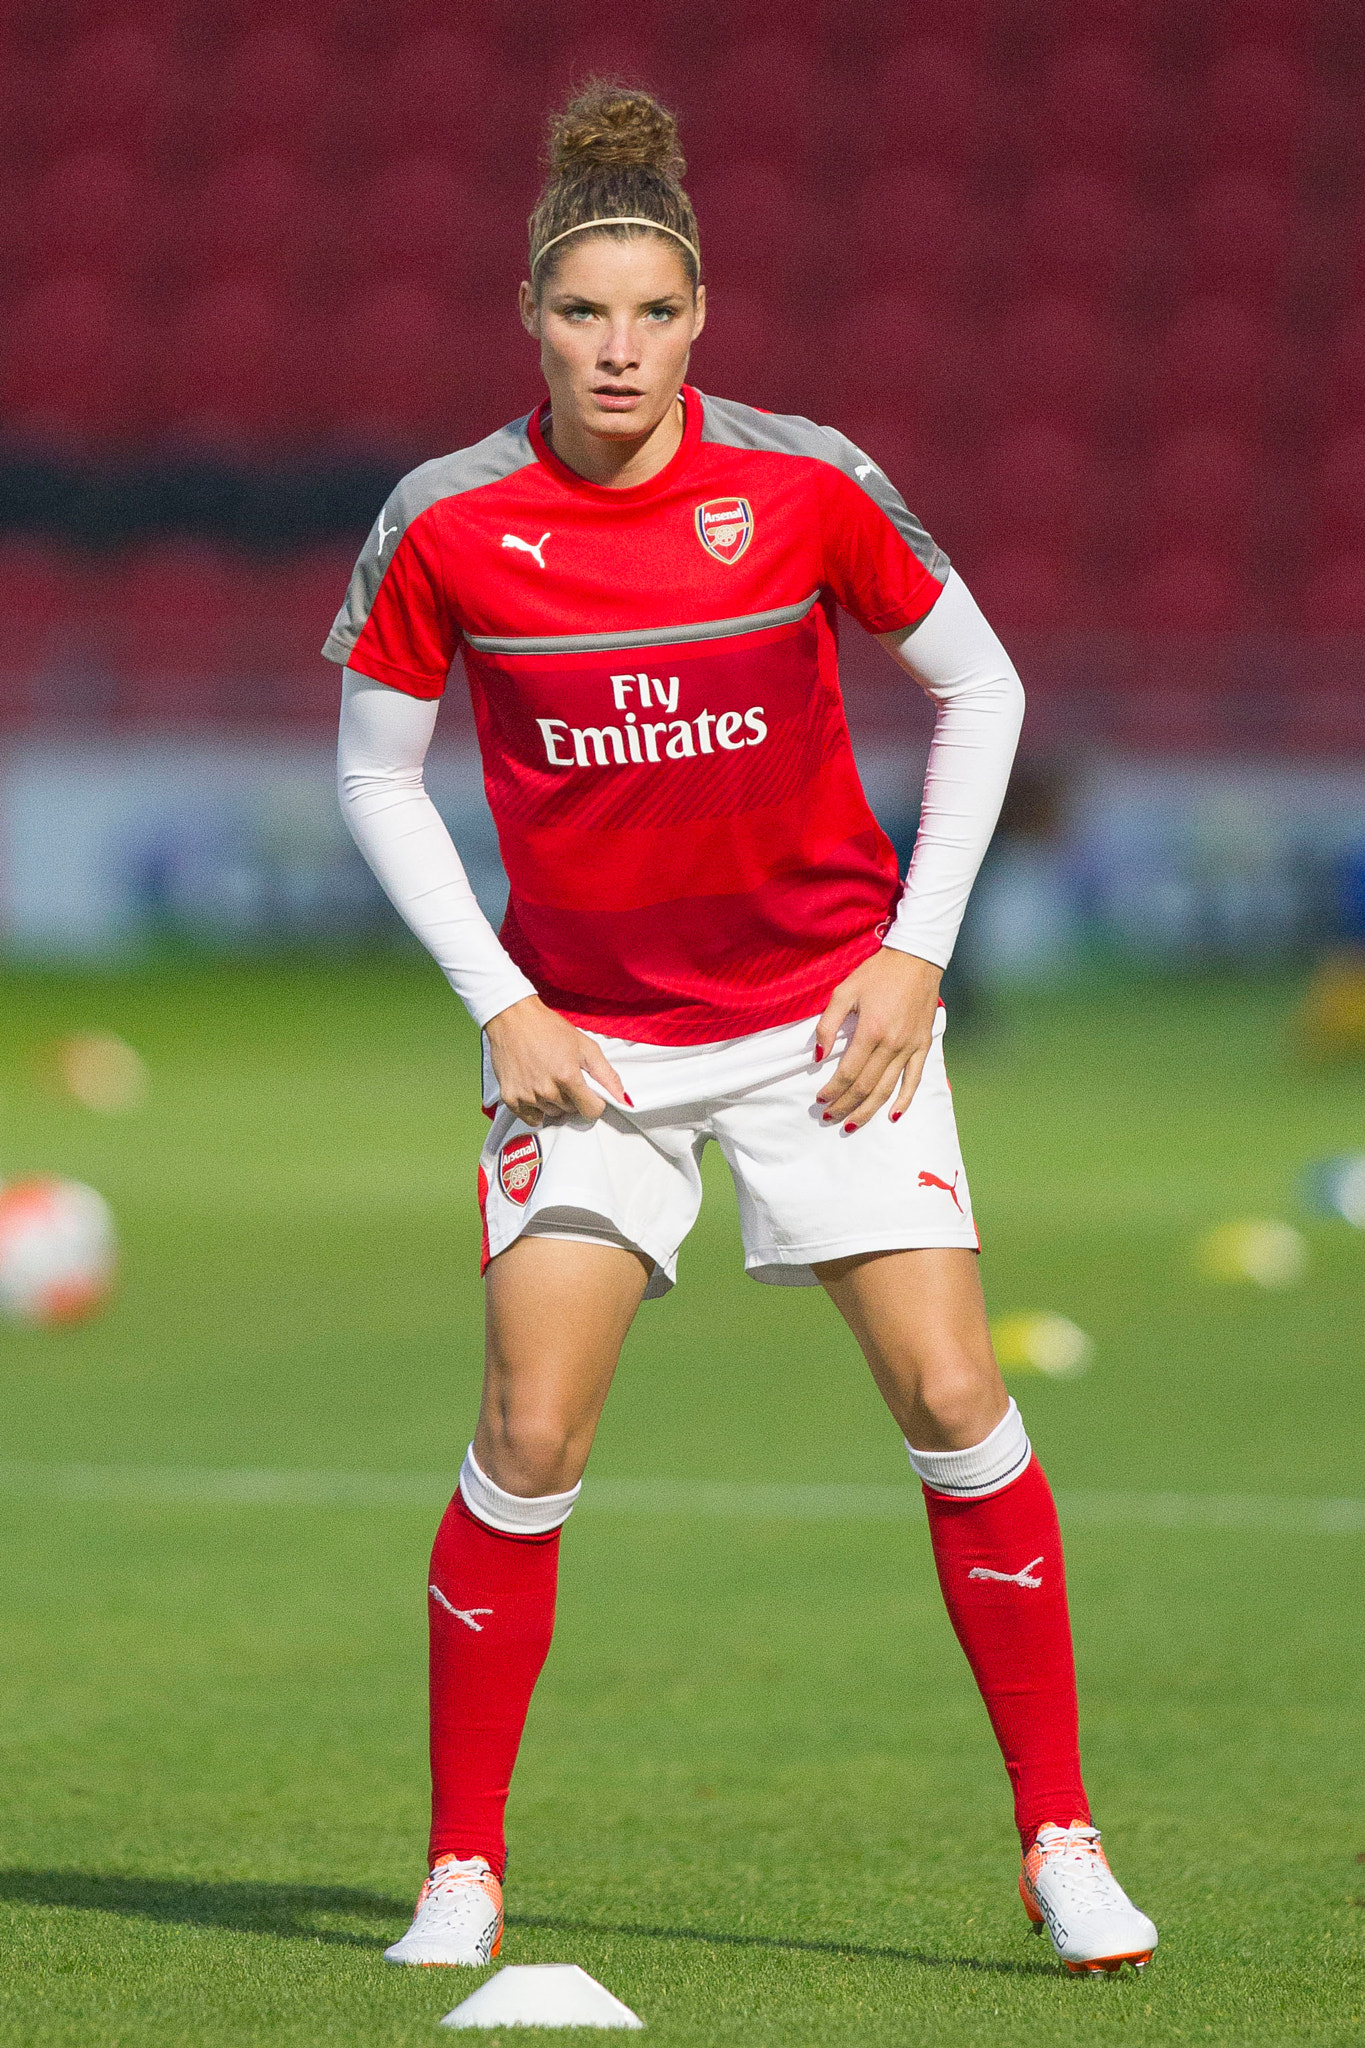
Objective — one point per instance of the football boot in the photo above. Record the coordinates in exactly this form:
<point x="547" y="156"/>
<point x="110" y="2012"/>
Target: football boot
<point x="1067" y="1886"/>
<point x="458" y="1916"/>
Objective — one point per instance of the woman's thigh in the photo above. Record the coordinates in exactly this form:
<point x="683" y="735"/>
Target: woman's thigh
<point x="557" y="1313"/>
<point x="920" y="1321"/>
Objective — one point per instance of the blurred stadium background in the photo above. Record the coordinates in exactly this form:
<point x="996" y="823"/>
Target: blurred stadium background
<point x="1086" y="276"/>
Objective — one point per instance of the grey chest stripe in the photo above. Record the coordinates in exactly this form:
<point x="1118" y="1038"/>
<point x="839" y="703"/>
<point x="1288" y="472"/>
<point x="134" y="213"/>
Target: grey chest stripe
<point x="652" y="636"/>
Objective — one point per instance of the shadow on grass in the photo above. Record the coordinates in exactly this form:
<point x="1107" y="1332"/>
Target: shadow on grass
<point x="295" y="1910"/>
<point x="853" y="1949"/>
<point x="283" y="1909"/>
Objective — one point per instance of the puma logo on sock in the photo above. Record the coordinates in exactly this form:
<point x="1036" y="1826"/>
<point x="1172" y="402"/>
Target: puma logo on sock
<point x="464" y="1614"/>
<point x="1019" y="1578"/>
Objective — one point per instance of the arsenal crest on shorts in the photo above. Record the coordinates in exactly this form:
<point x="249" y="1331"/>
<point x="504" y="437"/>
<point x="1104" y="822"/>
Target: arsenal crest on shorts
<point x="725" y="526"/>
<point x="519" y="1168"/>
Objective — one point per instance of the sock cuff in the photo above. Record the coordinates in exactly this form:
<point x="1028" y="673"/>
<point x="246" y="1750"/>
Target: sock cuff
<point x="512" y="1514"/>
<point x="982" y="1468"/>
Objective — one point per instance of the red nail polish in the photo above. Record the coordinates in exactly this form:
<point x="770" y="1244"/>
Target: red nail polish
<point x="819" y="1052"/>
<point x="626" y="1099"/>
<point x="827" y="1118"/>
<point x="850" y="1127"/>
<point x="896" y="1116"/>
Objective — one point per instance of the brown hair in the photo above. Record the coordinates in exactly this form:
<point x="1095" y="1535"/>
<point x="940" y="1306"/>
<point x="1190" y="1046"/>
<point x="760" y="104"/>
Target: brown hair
<point x="613" y="151"/>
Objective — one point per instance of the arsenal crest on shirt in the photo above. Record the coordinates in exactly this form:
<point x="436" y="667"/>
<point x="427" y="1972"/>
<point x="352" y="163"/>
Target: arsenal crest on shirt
<point x="725" y="526"/>
<point x="519" y="1168"/>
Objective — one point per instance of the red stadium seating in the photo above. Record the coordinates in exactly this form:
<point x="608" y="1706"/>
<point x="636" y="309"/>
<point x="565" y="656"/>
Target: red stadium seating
<point x="254" y="216"/>
<point x="1086" y="276"/>
<point x="1287" y="25"/>
<point x="439" y="91"/>
<point x="1036" y="486"/>
<point x="416" y="214"/>
<point x="598" y="49"/>
<point x="924" y="105"/>
<point x="1334" y="601"/>
<point x="1210" y="369"/>
<point x="1199" y="489"/>
<point x="93" y="210"/>
<point x="43" y="635"/>
<point x="1254" y="110"/>
<point x="1091" y="113"/>
<point x="1054" y="359"/>
<point x="399" y="370"/>
<point x="1339" y="491"/>
<point x="113" y="88"/>
<point x="762" y="228"/>
<point x="1346" y="387"/>
<point x="1022" y="583"/>
<point x="771" y="84"/>
<point x="73" y="366"/>
<point x="172" y="630"/>
<point x="749" y="346"/>
<point x="160" y="18"/>
<point x="883" y="354"/>
<point x="1238" y="237"/>
<point x="240" y="370"/>
<point x="1184" y="593"/>
<point x="1076" y="231"/>
<point x="272" y="92"/>
<point x="911" y="227"/>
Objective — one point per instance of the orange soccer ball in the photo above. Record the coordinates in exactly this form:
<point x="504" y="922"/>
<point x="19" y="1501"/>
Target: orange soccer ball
<point x="58" y="1251"/>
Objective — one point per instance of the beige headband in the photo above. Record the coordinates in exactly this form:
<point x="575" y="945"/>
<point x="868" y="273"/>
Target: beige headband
<point x="619" y="220"/>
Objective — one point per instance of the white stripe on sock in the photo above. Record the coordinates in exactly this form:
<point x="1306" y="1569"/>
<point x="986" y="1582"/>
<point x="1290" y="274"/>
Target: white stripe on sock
<point x="982" y="1468"/>
<point x="512" y="1513"/>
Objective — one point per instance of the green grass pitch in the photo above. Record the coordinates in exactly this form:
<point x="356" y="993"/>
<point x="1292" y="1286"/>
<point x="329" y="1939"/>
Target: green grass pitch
<point x="758" y="1796"/>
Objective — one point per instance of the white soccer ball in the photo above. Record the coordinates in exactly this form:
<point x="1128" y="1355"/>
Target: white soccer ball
<point x="58" y="1251"/>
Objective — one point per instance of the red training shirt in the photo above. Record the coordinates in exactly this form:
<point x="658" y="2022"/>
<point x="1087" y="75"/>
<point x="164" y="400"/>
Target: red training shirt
<point x="655" y="684"/>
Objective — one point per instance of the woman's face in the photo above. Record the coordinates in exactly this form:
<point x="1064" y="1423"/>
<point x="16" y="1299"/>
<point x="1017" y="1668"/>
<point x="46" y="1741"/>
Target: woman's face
<point x="615" y="321"/>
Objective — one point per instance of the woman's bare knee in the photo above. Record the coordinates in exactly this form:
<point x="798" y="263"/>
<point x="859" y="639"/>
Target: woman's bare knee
<point x="532" y="1453"/>
<point x="958" y="1401"/>
<point x="558" y="1312"/>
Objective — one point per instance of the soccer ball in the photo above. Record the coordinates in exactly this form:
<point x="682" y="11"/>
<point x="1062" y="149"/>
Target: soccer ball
<point x="58" y="1251"/>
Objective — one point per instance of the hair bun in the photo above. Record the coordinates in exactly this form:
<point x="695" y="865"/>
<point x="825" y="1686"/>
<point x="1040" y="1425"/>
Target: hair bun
<point x="614" y="127"/>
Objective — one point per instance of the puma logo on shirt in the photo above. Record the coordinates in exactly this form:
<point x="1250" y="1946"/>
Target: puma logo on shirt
<point x="528" y="547"/>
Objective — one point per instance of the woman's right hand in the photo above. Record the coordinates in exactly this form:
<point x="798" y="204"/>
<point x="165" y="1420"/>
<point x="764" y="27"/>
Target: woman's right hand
<point x="540" y="1060"/>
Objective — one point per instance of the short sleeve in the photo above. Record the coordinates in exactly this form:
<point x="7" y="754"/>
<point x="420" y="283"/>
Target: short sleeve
<point x="880" y="563"/>
<point x="396" y="624"/>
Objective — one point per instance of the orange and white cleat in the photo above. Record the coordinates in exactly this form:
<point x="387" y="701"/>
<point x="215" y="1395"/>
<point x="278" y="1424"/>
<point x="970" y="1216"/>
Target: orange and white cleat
<point x="457" y="1919"/>
<point x="1067" y="1886"/>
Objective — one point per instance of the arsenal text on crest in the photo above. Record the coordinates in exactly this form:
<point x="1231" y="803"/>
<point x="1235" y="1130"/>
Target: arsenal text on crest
<point x="725" y="526"/>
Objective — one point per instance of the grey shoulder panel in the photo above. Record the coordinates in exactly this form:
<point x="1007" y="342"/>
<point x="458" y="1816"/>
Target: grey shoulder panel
<point x="445" y="476"/>
<point x="743" y="426"/>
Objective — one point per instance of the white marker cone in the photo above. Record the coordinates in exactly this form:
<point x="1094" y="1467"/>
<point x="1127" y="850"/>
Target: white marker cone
<point x="542" y="1995"/>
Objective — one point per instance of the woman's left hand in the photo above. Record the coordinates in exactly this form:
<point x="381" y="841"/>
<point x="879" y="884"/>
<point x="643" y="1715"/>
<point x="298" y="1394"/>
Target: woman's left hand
<point x="894" y="997"/>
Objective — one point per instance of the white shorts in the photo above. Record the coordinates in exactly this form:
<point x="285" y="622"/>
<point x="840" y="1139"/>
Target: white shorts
<point x="807" y="1189"/>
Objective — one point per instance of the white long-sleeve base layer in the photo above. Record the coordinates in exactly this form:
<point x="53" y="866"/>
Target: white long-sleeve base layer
<point x="952" y="654"/>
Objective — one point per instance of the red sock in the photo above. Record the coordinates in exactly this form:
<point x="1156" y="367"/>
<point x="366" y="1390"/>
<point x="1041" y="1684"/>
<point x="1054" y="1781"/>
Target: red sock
<point x="485" y="1659"/>
<point x="1013" y="1625"/>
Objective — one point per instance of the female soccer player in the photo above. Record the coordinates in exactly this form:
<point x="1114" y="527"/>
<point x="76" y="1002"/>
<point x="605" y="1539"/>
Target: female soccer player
<point x="706" y="937"/>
